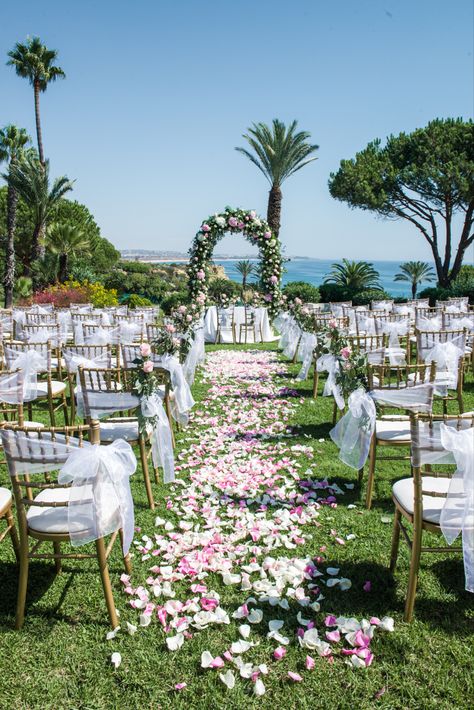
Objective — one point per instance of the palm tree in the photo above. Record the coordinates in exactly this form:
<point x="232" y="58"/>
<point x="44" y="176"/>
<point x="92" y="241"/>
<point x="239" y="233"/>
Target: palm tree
<point x="245" y="269"/>
<point x="31" y="180"/>
<point x="279" y="152"/>
<point x="35" y="62"/>
<point x="415" y="272"/>
<point x="354" y="275"/>
<point x="12" y="142"/>
<point x="68" y="241"/>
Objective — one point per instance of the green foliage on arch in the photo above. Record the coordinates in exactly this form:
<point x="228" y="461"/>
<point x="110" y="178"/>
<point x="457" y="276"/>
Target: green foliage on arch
<point x="254" y="229"/>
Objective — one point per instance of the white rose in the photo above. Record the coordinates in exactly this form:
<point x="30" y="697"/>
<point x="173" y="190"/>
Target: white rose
<point x="220" y="221"/>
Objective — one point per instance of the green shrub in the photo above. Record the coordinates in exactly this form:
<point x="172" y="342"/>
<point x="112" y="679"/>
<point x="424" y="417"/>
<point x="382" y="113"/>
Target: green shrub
<point x="173" y="300"/>
<point x="464" y="284"/>
<point x="334" y="292"/>
<point x="135" y="267"/>
<point x="221" y="287"/>
<point x="371" y="294"/>
<point x="133" y="300"/>
<point x="303" y="290"/>
<point x="436" y="293"/>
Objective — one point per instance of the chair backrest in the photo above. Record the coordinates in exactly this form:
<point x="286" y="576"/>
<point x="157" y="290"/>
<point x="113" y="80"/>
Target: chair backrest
<point x="105" y="391"/>
<point x="84" y="307"/>
<point x="367" y="343"/>
<point x="131" y="317"/>
<point x="152" y="331"/>
<point x="453" y="321"/>
<point x="225" y="317"/>
<point x="40" y="319"/>
<point x="321" y="321"/>
<point x="391" y="377"/>
<point x="43" y="333"/>
<point x="12" y="396"/>
<point x="94" y="333"/>
<point x="14" y="349"/>
<point x="382" y="305"/>
<point x="337" y="307"/>
<point x="426" y="340"/>
<point x="426" y="447"/>
<point x="384" y="324"/>
<point x="86" y="352"/>
<point x="30" y="453"/>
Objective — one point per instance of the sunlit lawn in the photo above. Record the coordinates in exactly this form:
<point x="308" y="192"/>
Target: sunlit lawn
<point x="62" y="660"/>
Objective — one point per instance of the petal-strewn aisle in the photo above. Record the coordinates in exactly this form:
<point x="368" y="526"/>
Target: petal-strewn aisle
<point x="225" y="554"/>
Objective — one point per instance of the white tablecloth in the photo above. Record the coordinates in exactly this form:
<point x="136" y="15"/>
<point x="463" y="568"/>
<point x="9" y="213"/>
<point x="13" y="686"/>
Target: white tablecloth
<point x="262" y="325"/>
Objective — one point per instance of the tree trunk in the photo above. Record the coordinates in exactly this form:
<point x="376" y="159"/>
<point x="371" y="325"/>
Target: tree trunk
<point x="9" y="277"/>
<point x="38" y="122"/>
<point x="274" y="209"/>
<point x="414" y="287"/>
<point x="63" y="267"/>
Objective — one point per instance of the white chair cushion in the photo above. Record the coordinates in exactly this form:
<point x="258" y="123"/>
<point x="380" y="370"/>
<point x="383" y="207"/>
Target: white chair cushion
<point x="432" y="507"/>
<point x="57" y="388"/>
<point x="55" y="520"/>
<point x="112" y="430"/>
<point x="387" y="430"/>
<point x="5" y="497"/>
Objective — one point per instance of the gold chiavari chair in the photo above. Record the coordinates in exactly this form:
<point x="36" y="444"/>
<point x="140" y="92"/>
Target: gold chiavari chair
<point x="249" y="326"/>
<point x="420" y="498"/>
<point x="74" y="355"/>
<point x="225" y="323"/>
<point x="42" y="503"/>
<point x="114" y="383"/>
<point x="394" y="430"/>
<point x="426" y="340"/>
<point x="53" y="390"/>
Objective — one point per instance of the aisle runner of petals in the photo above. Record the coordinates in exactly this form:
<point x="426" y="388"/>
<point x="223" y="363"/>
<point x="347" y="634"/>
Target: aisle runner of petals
<point x="241" y="509"/>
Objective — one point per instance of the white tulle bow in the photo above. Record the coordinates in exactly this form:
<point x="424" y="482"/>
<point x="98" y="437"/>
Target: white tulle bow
<point x="100" y="500"/>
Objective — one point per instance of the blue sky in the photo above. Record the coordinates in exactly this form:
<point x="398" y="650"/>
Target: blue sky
<point x="158" y="94"/>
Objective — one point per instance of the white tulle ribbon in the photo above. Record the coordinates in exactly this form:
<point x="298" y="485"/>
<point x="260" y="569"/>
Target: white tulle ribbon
<point x="330" y="364"/>
<point x="457" y="515"/>
<point x="194" y="356"/>
<point x="429" y="324"/>
<point x="306" y="353"/>
<point x="292" y="339"/>
<point x="103" y="336"/>
<point x="12" y="388"/>
<point x="73" y="361"/>
<point x="365" y="324"/>
<point x="30" y="362"/>
<point x="446" y="356"/>
<point x="129" y="332"/>
<point x="353" y="432"/>
<point x="394" y="330"/>
<point x="160" y="435"/>
<point x="100" y="500"/>
<point x="182" y="400"/>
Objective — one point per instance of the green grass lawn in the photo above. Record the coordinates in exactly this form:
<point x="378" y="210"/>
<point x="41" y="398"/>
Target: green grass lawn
<point x="61" y="658"/>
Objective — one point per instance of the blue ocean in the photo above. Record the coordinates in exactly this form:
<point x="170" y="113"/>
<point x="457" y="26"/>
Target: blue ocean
<point x="314" y="271"/>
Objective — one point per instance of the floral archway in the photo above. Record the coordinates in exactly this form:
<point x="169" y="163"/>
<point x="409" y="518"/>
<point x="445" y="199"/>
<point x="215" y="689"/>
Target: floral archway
<point x="253" y="228"/>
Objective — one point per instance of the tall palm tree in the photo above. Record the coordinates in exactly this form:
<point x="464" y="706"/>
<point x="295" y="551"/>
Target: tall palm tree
<point x="279" y="151"/>
<point x="415" y="272"/>
<point x="31" y="180"/>
<point x="67" y="240"/>
<point x="12" y="142"/>
<point x="35" y="62"/>
<point x="354" y="275"/>
<point x="245" y="269"/>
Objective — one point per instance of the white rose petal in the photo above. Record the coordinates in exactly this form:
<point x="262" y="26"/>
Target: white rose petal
<point x="175" y="642"/>
<point x="228" y="679"/>
<point x="244" y="631"/>
<point x="116" y="659"/>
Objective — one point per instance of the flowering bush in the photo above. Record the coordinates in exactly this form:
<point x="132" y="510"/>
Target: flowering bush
<point x="256" y="231"/>
<point x="62" y="295"/>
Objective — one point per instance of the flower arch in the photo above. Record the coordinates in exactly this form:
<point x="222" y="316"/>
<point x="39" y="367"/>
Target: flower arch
<point x="257" y="231"/>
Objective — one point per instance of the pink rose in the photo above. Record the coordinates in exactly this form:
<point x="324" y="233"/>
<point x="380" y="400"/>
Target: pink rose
<point x="346" y="352"/>
<point x="252" y="214"/>
<point x="148" y="366"/>
<point x="274" y="279"/>
<point x="170" y="328"/>
<point x="240" y="225"/>
<point x="189" y="318"/>
<point x="145" y="350"/>
<point x="205" y="228"/>
<point x="332" y="324"/>
<point x="232" y="222"/>
<point x="182" y="309"/>
<point x="267" y="235"/>
<point x="176" y="342"/>
<point x="200" y="275"/>
<point x="298" y="301"/>
<point x="267" y="297"/>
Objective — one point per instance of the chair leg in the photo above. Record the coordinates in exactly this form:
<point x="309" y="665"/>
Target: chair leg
<point x="104" y="574"/>
<point x="126" y="558"/>
<point x="65" y="409"/>
<point x="315" y="382"/>
<point x="52" y="417"/>
<point x="13" y="533"/>
<point x="371" y="476"/>
<point x="22" y="587"/>
<point x="170" y="419"/>
<point x="146" y="474"/>
<point x="360" y="475"/>
<point x="57" y="560"/>
<point x="395" y="541"/>
<point x="413" y="579"/>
